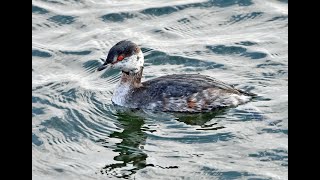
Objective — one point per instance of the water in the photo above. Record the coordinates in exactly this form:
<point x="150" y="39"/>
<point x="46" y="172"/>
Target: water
<point x="78" y="134"/>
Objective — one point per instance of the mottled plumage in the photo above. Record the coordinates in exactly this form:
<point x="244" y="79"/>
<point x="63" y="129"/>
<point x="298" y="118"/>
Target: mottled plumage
<point x="174" y="93"/>
<point x="183" y="93"/>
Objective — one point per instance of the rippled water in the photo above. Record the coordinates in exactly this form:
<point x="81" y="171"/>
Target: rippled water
<point x="78" y="134"/>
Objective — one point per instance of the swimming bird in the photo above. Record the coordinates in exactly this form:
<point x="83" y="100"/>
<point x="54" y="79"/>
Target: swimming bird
<point x="191" y="93"/>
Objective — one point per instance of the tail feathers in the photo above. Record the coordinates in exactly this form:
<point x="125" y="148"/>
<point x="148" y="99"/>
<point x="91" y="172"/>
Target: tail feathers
<point x="247" y="93"/>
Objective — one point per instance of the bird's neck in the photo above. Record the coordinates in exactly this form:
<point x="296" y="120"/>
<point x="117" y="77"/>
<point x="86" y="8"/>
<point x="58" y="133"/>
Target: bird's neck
<point x="132" y="80"/>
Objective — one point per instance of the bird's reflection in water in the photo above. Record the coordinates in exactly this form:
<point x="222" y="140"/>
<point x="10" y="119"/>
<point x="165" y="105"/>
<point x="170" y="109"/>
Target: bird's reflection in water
<point x="200" y="119"/>
<point x="131" y="156"/>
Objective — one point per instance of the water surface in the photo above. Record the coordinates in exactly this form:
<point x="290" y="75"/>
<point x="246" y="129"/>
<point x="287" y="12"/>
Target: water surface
<point x="78" y="134"/>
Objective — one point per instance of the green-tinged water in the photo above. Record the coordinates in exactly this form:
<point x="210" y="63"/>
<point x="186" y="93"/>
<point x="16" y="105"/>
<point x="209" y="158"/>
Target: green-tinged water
<point x="78" y="134"/>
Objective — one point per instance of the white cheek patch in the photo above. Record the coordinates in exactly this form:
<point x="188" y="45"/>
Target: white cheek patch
<point x="132" y="63"/>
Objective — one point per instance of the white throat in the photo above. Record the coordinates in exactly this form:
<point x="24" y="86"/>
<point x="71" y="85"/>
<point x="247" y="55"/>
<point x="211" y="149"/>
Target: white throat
<point x="133" y="64"/>
<point x="121" y="93"/>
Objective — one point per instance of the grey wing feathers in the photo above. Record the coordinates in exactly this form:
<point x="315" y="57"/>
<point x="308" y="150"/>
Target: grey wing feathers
<point x="177" y="85"/>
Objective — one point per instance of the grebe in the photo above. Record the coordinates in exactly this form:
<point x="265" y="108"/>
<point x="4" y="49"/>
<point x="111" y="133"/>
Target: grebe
<point x="173" y="93"/>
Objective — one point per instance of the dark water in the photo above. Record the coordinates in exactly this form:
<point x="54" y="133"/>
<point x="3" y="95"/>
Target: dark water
<point x="78" y="134"/>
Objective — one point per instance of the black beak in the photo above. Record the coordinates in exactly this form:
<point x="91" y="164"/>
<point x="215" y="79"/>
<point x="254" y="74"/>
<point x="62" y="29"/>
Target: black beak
<point x="103" y="66"/>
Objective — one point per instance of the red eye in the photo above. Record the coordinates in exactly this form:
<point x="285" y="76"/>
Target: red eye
<point x="120" y="58"/>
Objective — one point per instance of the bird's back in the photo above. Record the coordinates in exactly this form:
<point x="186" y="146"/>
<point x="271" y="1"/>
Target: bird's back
<point x="186" y="93"/>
